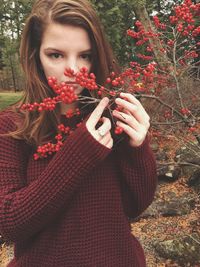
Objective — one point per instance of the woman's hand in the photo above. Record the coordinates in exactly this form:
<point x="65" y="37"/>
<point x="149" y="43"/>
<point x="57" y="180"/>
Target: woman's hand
<point x="102" y="134"/>
<point x="133" y="118"/>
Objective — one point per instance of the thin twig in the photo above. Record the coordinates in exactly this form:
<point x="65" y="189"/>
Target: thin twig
<point x="193" y="239"/>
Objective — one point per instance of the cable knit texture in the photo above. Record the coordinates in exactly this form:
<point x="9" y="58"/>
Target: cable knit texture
<point x="72" y="209"/>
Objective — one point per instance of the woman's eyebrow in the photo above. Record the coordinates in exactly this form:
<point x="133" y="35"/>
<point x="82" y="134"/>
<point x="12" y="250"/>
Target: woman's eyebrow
<point x="86" y="51"/>
<point x="57" y="50"/>
<point x="52" y="49"/>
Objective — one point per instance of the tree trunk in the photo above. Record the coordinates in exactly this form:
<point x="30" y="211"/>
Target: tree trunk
<point x="13" y="73"/>
<point x="159" y="5"/>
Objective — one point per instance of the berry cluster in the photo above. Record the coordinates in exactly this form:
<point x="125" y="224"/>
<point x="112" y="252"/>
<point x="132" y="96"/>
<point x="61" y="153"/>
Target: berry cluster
<point x="184" y="18"/>
<point x="185" y="111"/>
<point x="141" y="35"/>
<point x="45" y="150"/>
<point x="65" y="94"/>
<point x="168" y="114"/>
<point x="46" y="104"/>
<point x="64" y="91"/>
<point x="118" y="130"/>
<point x="70" y="113"/>
<point x="86" y="80"/>
<point x="158" y="24"/>
<point x="196" y="32"/>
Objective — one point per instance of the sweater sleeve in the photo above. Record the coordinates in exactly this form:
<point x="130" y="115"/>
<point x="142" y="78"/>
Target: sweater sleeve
<point x="26" y="209"/>
<point x="138" y="177"/>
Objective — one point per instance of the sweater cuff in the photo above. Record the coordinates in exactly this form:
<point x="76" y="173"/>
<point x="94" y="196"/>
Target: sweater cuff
<point x="137" y="153"/>
<point x="141" y="149"/>
<point x="90" y="144"/>
<point x="86" y="148"/>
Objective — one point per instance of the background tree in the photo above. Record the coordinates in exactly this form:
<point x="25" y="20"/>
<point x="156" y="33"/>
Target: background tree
<point x="12" y="15"/>
<point x="117" y="17"/>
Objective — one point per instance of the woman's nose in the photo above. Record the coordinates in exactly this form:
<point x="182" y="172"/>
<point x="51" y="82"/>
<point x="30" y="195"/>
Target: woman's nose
<point x="72" y="64"/>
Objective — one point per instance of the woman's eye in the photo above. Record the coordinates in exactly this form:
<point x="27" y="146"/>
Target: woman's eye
<point x="55" y="55"/>
<point x="86" y="57"/>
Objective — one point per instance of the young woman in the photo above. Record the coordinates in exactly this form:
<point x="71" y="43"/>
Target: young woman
<point x="72" y="208"/>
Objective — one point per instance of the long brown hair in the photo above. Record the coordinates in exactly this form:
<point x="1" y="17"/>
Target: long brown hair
<point x="36" y="127"/>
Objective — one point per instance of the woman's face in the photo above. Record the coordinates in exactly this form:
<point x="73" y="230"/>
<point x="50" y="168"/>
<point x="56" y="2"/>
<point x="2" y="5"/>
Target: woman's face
<point x="65" y="46"/>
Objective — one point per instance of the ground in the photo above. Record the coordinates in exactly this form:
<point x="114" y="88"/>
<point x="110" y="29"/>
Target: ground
<point x="162" y="228"/>
<point x="7" y="98"/>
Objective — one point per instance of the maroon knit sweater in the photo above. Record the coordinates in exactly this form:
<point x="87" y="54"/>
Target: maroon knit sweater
<point x="72" y="209"/>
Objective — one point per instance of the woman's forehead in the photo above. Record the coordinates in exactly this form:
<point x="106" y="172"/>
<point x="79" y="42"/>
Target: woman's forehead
<point x="65" y="36"/>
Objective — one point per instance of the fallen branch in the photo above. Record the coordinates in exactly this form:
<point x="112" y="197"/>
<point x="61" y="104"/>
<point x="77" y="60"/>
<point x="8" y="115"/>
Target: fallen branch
<point x="177" y="164"/>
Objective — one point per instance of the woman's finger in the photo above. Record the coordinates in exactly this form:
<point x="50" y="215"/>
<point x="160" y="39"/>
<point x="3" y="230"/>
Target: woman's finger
<point x="136" y="137"/>
<point x="97" y="113"/>
<point x="109" y="144"/>
<point x="106" y="139"/>
<point x="126" y="118"/>
<point x="138" y="112"/>
<point x="132" y="99"/>
<point x="105" y="127"/>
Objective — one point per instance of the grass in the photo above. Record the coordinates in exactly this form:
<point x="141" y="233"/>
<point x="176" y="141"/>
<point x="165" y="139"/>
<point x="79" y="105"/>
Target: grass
<point x="8" y="98"/>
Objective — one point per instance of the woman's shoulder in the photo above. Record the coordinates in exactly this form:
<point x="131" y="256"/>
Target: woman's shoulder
<point x="9" y="119"/>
